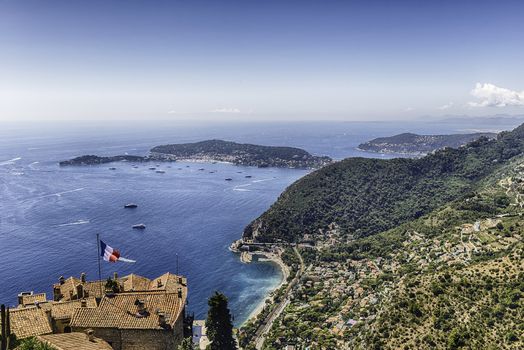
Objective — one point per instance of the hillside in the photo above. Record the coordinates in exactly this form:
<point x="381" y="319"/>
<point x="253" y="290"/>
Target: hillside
<point x="414" y="144"/>
<point x="242" y="154"/>
<point x="451" y="279"/>
<point x="367" y="196"/>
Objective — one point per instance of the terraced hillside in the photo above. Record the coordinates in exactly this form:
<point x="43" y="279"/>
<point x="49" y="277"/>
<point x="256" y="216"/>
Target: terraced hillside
<point x="451" y="279"/>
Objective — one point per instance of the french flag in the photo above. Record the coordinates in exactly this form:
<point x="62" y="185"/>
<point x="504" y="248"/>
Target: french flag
<point x="112" y="255"/>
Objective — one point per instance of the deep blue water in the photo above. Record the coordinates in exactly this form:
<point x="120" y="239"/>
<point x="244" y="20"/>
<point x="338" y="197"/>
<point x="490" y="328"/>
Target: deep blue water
<point x="50" y="215"/>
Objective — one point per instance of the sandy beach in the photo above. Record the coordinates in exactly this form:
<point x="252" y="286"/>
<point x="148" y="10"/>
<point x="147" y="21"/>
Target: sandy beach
<point x="273" y="258"/>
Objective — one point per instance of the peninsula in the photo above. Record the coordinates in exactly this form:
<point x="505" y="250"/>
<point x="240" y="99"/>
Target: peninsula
<point x="414" y="144"/>
<point x="219" y="151"/>
<point x="94" y="160"/>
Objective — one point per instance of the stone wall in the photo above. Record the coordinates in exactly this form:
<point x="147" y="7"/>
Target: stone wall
<point x="110" y="335"/>
<point x="140" y="339"/>
<point x="59" y="325"/>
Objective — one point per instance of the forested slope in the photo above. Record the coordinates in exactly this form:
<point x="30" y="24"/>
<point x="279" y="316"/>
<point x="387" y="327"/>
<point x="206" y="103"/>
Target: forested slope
<point x="367" y="196"/>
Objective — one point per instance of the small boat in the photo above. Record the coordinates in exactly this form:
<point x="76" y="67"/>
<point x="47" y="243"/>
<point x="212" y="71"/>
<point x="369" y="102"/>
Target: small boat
<point x="139" y="226"/>
<point x="201" y="169"/>
<point x="160" y="171"/>
<point x="112" y="168"/>
<point x="248" y="176"/>
<point x="131" y="205"/>
<point x="229" y="179"/>
<point x="152" y="168"/>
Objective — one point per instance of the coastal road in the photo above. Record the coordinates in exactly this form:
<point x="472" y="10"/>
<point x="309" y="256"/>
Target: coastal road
<point x="261" y="333"/>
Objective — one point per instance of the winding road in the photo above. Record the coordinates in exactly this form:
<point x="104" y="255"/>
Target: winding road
<point x="261" y="333"/>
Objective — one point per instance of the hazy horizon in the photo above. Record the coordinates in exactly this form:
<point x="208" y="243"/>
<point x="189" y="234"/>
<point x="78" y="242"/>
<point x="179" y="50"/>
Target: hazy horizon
<point x="259" y="61"/>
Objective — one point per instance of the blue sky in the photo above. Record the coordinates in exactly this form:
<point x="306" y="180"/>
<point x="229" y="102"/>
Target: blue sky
<point x="259" y="60"/>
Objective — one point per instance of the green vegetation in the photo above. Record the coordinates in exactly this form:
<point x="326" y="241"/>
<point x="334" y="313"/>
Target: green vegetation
<point x="217" y="150"/>
<point x="112" y="285"/>
<point x="367" y="196"/>
<point x="187" y="344"/>
<point x="94" y="160"/>
<point x="451" y="279"/>
<point x="219" y="325"/>
<point x="243" y="154"/>
<point x="419" y="144"/>
<point x="33" y="344"/>
<point x="445" y="277"/>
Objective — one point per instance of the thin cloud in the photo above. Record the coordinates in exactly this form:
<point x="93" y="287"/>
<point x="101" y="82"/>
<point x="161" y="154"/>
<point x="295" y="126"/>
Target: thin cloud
<point x="490" y="95"/>
<point x="172" y="112"/>
<point x="446" y="106"/>
<point x="409" y="109"/>
<point x="226" y="110"/>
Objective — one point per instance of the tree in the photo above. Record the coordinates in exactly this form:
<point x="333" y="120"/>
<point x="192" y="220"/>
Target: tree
<point x="187" y="344"/>
<point x="219" y="325"/>
<point x="34" y="344"/>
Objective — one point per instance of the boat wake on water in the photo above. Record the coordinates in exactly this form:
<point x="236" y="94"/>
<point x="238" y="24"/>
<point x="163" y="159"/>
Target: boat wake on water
<point x="78" y="222"/>
<point x="241" y="188"/>
<point x="10" y="161"/>
<point x="262" y="180"/>
<point x="59" y="194"/>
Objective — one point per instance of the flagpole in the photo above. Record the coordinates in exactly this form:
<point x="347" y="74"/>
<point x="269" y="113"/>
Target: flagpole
<point x="99" y="266"/>
<point x="177" y="264"/>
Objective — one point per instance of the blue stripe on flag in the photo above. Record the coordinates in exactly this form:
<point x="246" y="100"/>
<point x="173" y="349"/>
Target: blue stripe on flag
<point x="102" y="248"/>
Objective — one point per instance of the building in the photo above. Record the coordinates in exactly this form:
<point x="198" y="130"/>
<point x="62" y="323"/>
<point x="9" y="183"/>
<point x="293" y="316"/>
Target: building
<point x="131" y="312"/>
<point x="74" y="341"/>
<point x="200" y="339"/>
<point x="30" y="321"/>
<point x="136" y="320"/>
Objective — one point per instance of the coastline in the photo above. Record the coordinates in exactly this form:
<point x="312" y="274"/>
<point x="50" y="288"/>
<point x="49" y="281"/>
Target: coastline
<point x="198" y="160"/>
<point x="413" y="154"/>
<point x="274" y="259"/>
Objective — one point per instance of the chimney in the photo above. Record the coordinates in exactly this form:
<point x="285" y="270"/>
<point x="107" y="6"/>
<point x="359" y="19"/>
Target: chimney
<point x="180" y="292"/>
<point x="83" y="277"/>
<point x="140" y="307"/>
<point x="21" y="297"/>
<point x="57" y="294"/>
<point x="161" y="319"/>
<point x="180" y="281"/>
<point x="115" y="276"/>
<point x="80" y="291"/>
<point x="61" y="280"/>
<point x="83" y="303"/>
<point x="90" y="335"/>
<point x="159" y="283"/>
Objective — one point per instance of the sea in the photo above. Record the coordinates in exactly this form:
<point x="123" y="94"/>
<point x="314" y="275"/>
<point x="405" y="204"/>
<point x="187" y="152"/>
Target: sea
<point x="50" y="215"/>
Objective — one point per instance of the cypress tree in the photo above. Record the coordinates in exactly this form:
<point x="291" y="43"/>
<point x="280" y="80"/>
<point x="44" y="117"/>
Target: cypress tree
<point x="219" y="325"/>
<point x="187" y="344"/>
